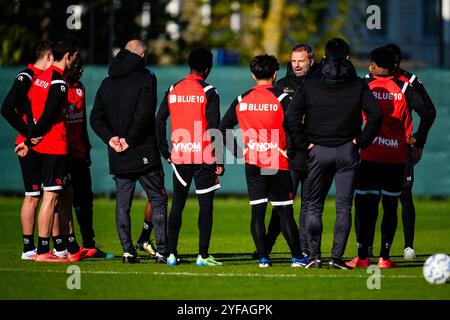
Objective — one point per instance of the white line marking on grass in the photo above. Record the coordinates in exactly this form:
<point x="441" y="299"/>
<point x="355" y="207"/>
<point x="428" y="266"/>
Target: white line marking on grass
<point x="193" y="274"/>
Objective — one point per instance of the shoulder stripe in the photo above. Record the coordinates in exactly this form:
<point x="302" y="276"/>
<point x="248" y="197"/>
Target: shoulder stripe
<point x="239" y="99"/>
<point x="367" y="76"/>
<point x="405" y="86"/>
<point x="207" y="88"/>
<point x="57" y="81"/>
<point x="412" y="78"/>
<point x="24" y="74"/>
<point x="282" y="96"/>
<point x="171" y="88"/>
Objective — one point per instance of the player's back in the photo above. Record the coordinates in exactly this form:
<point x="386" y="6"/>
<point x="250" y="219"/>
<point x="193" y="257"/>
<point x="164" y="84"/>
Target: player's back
<point x="391" y="141"/>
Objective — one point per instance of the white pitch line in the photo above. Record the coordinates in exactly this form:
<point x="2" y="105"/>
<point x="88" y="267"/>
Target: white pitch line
<point x="193" y="274"/>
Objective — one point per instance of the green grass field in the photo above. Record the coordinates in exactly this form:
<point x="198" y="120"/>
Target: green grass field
<point x="239" y="279"/>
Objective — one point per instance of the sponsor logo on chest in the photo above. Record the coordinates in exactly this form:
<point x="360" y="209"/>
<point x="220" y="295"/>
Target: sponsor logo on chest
<point x="72" y="113"/>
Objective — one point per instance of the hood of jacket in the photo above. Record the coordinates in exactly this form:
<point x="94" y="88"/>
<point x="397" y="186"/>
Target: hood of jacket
<point x="125" y="62"/>
<point x="336" y="71"/>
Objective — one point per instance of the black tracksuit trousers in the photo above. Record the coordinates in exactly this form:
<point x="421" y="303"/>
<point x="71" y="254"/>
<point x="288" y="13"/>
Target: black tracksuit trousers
<point x="324" y="164"/>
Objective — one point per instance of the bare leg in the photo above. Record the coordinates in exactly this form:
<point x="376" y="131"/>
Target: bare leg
<point x="28" y="214"/>
<point x="47" y="212"/>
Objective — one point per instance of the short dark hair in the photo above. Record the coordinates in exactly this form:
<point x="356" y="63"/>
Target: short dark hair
<point x="74" y="73"/>
<point x="383" y="57"/>
<point x="337" y="48"/>
<point x="264" y="66"/>
<point x="397" y="51"/>
<point x="304" y="47"/>
<point x="200" y="59"/>
<point x="43" y="47"/>
<point x="60" y="48"/>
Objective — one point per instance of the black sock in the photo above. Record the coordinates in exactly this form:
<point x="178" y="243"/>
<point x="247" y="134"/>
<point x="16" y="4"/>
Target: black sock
<point x="362" y="251"/>
<point x="90" y="244"/>
<point x="28" y="243"/>
<point x="43" y="245"/>
<point x="72" y="244"/>
<point x="58" y="243"/>
<point x="146" y="231"/>
<point x="385" y="250"/>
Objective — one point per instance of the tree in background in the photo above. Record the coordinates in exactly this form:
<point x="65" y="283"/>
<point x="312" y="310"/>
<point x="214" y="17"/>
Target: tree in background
<point x="247" y="27"/>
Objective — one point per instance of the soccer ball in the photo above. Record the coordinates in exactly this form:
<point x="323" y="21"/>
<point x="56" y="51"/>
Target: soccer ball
<point x="436" y="269"/>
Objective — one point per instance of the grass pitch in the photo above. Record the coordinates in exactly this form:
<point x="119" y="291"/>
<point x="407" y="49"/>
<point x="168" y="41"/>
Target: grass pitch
<point x="239" y="279"/>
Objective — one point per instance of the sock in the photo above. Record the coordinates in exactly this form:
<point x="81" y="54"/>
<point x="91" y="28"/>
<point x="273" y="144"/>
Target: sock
<point x="204" y="253"/>
<point x="385" y="250"/>
<point x="146" y="231"/>
<point x="362" y="251"/>
<point x="43" y="245"/>
<point x="90" y="244"/>
<point x="58" y="243"/>
<point x="28" y="243"/>
<point x="72" y="244"/>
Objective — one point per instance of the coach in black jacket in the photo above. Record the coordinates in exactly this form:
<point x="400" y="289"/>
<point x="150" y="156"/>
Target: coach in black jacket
<point x="300" y="67"/>
<point x="332" y="103"/>
<point x="123" y="116"/>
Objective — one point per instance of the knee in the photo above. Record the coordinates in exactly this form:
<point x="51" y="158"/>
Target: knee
<point x="31" y="201"/>
<point x="405" y="196"/>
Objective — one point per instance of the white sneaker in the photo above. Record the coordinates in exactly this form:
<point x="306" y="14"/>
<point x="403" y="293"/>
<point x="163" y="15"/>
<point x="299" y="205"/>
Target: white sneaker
<point x="29" y="255"/>
<point x="60" y="254"/>
<point x="409" y="253"/>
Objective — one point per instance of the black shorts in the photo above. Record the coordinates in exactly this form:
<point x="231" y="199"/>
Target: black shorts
<point x="379" y="178"/>
<point x="53" y="169"/>
<point x="408" y="179"/>
<point x="204" y="176"/>
<point x="269" y="185"/>
<point x="31" y="174"/>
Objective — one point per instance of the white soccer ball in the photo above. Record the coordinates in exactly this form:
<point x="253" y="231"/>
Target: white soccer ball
<point x="436" y="269"/>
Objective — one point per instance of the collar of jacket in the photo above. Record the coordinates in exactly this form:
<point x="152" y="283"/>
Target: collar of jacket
<point x="194" y="77"/>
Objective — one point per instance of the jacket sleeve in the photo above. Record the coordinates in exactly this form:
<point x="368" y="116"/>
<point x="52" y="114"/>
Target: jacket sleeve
<point x="295" y="113"/>
<point x="161" y="127"/>
<point x="212" y="112"/>
<point x="229" y="121"/>
<point x="16" y="100"/>
<point x="86" y="139"/>
<point x="144" y="115"/>
<point x="420" y="89"/>
<point x="57" y="96"/>
<point x="212" y="115"/>
<point x="426" y="113"/>
<point x="290" y="145"/>
<point x="98" y="117"/>
<point x="374" y="116"/>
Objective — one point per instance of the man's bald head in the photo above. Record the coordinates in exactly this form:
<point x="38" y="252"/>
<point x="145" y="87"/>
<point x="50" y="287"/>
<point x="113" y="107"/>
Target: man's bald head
<point x="137" y="47"/>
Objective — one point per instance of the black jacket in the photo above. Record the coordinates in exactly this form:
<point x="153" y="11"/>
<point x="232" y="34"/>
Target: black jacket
<point x="291" y="84"/>
<point x="125" y="106"/>
<point x="420" y="89"/>
<point x="331" y="103"/>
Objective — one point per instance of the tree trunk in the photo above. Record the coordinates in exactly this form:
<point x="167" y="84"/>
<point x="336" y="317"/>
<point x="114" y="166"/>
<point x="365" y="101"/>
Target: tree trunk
<point x="272" y="27"/>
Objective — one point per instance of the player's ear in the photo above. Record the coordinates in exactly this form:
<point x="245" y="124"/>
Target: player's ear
<point x="274" y="77"/>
